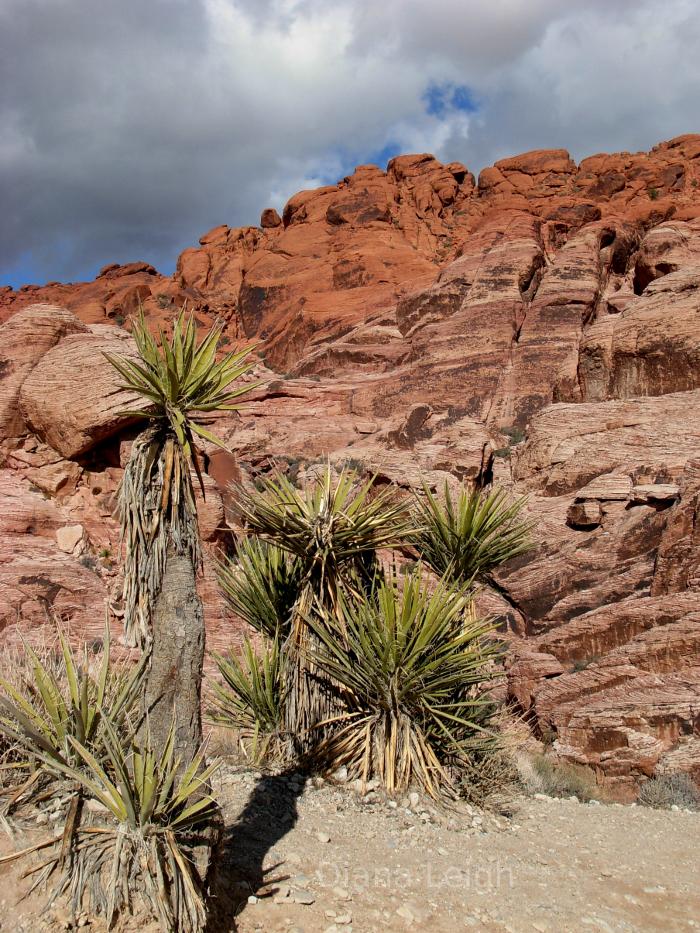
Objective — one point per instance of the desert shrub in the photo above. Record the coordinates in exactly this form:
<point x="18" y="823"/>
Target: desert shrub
<point x="57" y="699"/>
<point x="668" y="790"/>
<point x="580" y="664"/>
<point x="139" y="855"/>
<point x="354" y="465"/>
<point x="653" y="193"/>
<point x="250" y="700"/>
<point x="489" y="780"/>
<point x="411" y="667"/>
<point x="514" y="434"/>
<point x="466" y="538"/>
<point x="541" y="774"/>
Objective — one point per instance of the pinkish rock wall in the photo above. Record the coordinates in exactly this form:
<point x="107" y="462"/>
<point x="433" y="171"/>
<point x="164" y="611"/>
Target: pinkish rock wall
<point x="540" y="328"/>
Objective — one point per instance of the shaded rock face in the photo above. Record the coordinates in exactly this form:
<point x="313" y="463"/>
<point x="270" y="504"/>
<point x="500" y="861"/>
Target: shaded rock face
<point x="538" y="328"/>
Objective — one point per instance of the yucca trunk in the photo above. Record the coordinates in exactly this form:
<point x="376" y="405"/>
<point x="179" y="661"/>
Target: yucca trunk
<point x="312" y="697"/>
<point x="173" y="687"/>
<point x="308" y="701"/>
<point x="174" y="678"/>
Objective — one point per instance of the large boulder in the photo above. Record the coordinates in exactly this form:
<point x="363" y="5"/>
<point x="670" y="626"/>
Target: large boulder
<point x="24" y="340"/>
<point x="72" y="398"/>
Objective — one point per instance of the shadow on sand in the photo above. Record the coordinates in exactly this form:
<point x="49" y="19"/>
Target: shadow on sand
<point x="269" y="814"/>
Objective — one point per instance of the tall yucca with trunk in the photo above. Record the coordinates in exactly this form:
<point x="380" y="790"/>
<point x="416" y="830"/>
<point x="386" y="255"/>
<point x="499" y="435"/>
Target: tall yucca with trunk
<point x="333" y="530"/>
<point x="181" y="385"/>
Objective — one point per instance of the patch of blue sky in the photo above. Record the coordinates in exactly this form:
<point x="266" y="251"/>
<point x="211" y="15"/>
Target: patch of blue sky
<point x="31" y="268"/>
<point x="441" y="98"/>
<point x="21" y="272"/>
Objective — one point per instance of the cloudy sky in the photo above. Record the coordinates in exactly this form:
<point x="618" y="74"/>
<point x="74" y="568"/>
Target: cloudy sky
<point x="130" y="127"/>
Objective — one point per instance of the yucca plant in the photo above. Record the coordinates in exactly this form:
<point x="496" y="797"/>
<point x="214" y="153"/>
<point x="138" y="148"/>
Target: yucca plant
<point x="180" y="385"/>
<point x="250" y="699"/>
<point x="333" y="529"/>
<point x="139" y="855"/>
<point x="466" y="538"/>
<point x="262" y="584"/>
<point x="65" y="701"/>
<point x="413" y="667"/>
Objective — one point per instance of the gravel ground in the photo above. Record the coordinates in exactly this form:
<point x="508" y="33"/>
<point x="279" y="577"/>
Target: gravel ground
<point x="306" y="856"/>
<point x="552" y="865"/>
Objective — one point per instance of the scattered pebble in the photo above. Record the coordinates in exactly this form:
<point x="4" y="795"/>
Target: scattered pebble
<point x="302" y="896"/>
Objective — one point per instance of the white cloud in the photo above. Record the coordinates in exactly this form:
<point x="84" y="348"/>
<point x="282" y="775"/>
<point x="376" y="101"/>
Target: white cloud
<point x="125" y="134"/>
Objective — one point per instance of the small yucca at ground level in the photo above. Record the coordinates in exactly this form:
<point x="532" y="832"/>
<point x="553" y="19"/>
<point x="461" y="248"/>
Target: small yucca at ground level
<point x="250" y="700"/>
<point x="53" y="697"/>
<point x="72" y="721"/>
<point x="138" y="855"/>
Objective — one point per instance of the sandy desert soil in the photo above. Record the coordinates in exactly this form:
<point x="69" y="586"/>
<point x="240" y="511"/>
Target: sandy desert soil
<point x="321" y="859"/>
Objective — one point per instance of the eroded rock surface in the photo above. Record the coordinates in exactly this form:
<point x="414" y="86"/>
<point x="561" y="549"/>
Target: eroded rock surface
<point x="538" y="328"/>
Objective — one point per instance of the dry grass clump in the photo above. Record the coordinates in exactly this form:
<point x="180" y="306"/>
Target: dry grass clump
<point x="541" y="774"/>
<point x="490" y="781"/>
<point x="676" y="789"/>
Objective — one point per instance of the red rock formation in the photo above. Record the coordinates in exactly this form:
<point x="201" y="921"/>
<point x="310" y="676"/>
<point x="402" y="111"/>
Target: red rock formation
<point x="540" y="328"/>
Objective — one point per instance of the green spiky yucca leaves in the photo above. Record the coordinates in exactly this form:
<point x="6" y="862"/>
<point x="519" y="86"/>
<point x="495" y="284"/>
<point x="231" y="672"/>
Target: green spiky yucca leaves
<point x="262" y="585"/>
<point x="250" y="699"/>
<point x="137" y="856"/>
<point x="181" y="384"/>
<point x="466" y="538"/>
<point x="181" y="381"/>
<point x="413" y="666"/>
<point x="333" y="528"/>
<point x="65" y="702"/>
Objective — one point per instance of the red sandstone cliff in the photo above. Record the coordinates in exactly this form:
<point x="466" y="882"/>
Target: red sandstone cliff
<point x="540" y="327"/>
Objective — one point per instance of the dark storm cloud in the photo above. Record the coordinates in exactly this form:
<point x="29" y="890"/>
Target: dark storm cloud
<point x="128" y="128"/>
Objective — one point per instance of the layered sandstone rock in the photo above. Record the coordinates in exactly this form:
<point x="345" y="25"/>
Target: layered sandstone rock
<point x="539" y="329"/>
<point x="72" y="398"/>
<point x="25" y="341"/>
